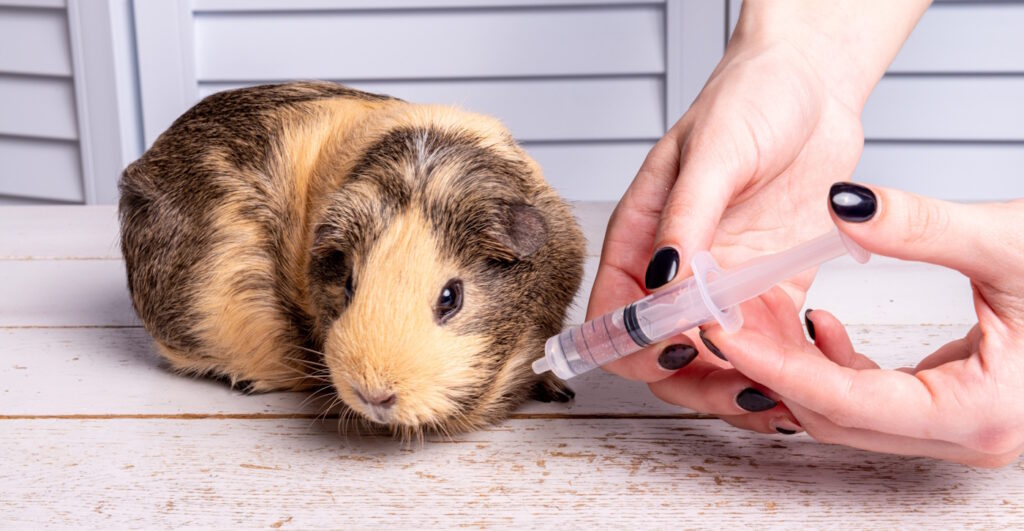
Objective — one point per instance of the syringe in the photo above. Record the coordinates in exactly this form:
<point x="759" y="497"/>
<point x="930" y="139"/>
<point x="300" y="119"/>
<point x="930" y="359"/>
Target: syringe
<point x="710" y="294"/>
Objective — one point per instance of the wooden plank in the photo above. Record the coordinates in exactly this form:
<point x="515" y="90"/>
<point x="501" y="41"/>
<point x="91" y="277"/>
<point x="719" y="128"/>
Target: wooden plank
<point x="37" y="107"/>
<point x="94" y="293"/>
<point x="946" y="108"/>
<point x="572" y="109"/>
<point x="44" y="32"/>
<point x="205" y="6"/>
<point x="49" y="232"/>
<point x="39" y="168"/>
<point x="965" y="37"/>
<point x="599" y="171"/>
<point x="593" y="473"/>
<point x="40" y="368"/>
<point x="65" y="293"/>
<point x="57" y="292"/>
<point x="963" y="172"/>
<point x="431" y="44"/>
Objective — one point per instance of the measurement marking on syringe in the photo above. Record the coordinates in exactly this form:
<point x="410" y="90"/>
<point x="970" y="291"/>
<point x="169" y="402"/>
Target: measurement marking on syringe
<point x="585" y="344"/>
<point x="589" y="353"/>
<point x="611" y="339"/>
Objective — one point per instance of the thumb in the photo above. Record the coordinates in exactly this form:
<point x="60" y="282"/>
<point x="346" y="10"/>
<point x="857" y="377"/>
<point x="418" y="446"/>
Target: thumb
<point x="695" y="205"/>
<point x="911" y="227"/>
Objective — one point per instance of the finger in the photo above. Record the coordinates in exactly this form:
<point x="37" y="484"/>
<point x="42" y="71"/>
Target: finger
<point x="831" y="339"/>
<point x="693" y="209"/>
<point x="779" y="420"/>
<point x="848" y="397"/>
<point x="710" y="389"/>
<point x="657" y="362"/>
<point x="821" y="429"/>
<point x="628" y="240"/>
<point x="954" y="350"/>
<point x="970" y="238"/>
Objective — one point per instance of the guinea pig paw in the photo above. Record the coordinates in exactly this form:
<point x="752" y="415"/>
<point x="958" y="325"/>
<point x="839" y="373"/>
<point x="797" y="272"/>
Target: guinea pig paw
<point x="550" y="389"/>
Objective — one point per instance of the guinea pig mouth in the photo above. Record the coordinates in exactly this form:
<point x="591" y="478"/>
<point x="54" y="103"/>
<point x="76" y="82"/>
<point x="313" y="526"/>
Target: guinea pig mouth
<point x="377" y="414"/>
<point x="378" y="407"/>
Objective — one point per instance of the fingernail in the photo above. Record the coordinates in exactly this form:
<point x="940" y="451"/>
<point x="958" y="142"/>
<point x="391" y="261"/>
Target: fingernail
<point x="785" y="426"/>
<point x="711" y="346"/>
<point x="852" y="202"/>
<point x="675" y="357"/>
<point x="662" y="269"/>
<point x="810" y="325"/>
<point x="753" y="400"/>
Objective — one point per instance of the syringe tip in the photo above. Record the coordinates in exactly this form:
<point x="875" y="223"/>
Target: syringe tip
<point x="541" y="366"/>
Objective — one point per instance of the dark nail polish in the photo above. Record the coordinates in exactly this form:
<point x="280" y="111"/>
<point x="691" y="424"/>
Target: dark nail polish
<point x="676" y="357"/>
<point x="810" y="325"/>
<point x="753" y="400"/>
<point x="711" y="346"/>
<point x="662" y="269"/>
<point x="784" y="431"/>
<point x="852" y="202"/>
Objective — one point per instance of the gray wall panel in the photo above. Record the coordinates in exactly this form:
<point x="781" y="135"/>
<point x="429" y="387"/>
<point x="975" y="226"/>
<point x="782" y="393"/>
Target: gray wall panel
<point x="946" y="108"/>
<point x="42" y="169"/>
<point x="962" y="171"/>
<point x="38" y="106"/>
<point x="34" y="41"/>
<point x="431" y="44"/>
<point x="542" y="109"/>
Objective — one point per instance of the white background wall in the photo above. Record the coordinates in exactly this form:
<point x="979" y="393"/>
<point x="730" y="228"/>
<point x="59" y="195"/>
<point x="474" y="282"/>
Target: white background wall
<point x="586" y="85"/>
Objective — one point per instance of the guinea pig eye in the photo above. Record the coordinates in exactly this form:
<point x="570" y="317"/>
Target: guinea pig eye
<point x="350" y="289"/>
<point x="449" y="302"/>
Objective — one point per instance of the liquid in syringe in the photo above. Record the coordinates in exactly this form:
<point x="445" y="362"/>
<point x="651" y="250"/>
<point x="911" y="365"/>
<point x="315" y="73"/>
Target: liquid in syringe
<point x="711" y="294"/>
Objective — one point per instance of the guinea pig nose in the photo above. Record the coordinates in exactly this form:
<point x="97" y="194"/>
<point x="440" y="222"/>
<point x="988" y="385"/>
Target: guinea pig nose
<point x="382" y="399"/>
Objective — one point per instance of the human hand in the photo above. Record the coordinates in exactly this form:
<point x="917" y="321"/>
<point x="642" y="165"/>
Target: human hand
<point x="737" y="175"/>
<point x="961" y="403"/>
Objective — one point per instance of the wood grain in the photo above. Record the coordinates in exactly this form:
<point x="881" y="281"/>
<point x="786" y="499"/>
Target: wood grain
<point x="69" y="372"/>
<point x="577" y="473"/>
<point x="97" y="433"/>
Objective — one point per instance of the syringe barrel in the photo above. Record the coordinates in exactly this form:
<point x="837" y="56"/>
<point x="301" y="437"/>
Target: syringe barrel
<point x="622" y="332"/>
<point x="712" y="294"/>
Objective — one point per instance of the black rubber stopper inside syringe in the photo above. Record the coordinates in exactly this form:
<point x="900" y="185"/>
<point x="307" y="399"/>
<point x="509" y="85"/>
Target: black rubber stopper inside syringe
<point x="633" y="327"/>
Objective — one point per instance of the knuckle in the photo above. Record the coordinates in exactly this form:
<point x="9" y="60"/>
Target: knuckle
<point x="925" y="222"/>
<point x="843" y="410"/>
<point x="667" y="391"/>
<point x="823" y="433"/>
<point x="995" y="440"/>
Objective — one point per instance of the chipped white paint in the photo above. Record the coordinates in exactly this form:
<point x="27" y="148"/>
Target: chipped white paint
<point x="97" y="433"/>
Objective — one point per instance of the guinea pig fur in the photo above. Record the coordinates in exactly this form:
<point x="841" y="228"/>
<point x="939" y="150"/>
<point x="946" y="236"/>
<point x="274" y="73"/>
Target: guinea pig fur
<point x="410" y="256"/>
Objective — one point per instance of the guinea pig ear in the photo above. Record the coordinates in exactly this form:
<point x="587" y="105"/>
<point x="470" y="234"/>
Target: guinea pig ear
<point x="519" y="232"/>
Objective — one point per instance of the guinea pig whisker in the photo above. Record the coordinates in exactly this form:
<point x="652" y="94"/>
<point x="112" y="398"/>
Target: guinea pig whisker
<point x="316" y="395"/>
<point x="323" y="414"/>
<point x="311" y="351"/>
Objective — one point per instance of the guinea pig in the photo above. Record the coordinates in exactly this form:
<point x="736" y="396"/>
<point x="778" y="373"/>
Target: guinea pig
<point x="412" y="257"/>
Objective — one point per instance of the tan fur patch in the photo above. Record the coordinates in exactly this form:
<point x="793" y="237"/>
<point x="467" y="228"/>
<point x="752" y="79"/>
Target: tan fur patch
<point x="243" y="326"/>
<point x="388" y="340"/>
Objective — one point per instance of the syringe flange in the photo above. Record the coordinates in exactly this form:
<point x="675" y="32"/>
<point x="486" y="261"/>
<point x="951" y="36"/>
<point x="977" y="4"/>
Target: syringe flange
<point x="705" y="270"/>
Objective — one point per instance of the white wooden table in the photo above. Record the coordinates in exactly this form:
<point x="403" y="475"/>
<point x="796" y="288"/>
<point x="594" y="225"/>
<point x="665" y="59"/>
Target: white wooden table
<point x="95" y="432"/>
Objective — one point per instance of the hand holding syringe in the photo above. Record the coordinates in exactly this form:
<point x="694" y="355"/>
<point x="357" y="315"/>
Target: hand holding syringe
<point x="710" y="294"/>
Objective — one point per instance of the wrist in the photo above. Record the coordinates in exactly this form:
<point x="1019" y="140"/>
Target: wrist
<point x="847" y="44"/>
